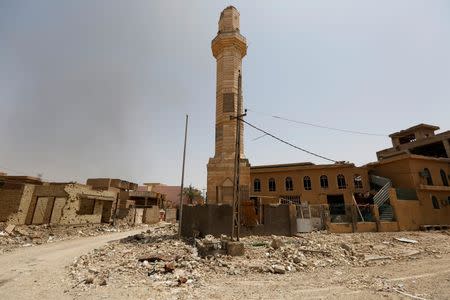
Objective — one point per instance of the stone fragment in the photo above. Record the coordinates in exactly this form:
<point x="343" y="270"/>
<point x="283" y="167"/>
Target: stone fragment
<point x="235" y="248"/>
<point x="278" y="269"/>
<point x="89" y="280"/>
<point x="410" y="252"/>
<point x="276" y="243"/>
<point x="182" y="280"/>
<point x="10" y="228"/>
<point x="102" y="282"/>
<point x="346" y="247"/>
<point x="405" y="240"/>
<point x="369" y="257"/>
<point x="169" y="267"/>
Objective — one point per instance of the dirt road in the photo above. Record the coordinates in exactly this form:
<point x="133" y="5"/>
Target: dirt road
<point x="39" y="272"/>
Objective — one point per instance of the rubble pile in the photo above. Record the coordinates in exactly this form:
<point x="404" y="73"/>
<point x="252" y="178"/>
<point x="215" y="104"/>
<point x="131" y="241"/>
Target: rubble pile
<point x="13" y="236"/>
<point x="156" y="257"/>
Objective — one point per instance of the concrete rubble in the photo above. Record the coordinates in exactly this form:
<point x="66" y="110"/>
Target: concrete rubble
<point x="157" y="258"/>
<point x="12" y="237"/>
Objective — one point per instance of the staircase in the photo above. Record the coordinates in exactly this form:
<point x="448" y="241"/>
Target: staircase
<point x="386" y="213"/>
<point x="382" y="194"/>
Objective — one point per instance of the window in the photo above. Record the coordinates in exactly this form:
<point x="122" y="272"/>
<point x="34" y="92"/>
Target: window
<point x="357" y="180"/>
<point x="272" y="186"/>
<point x="444" y="178"/>
<point x="448" y="200"/>
<point x="435" y="202"/>
<point x="324" y="181"/>
<point x="341" y="182"/>
<point x="257" y="185"/>
<point x="427" y="175"/>
<point x="86" y="207"/>
<point x="307" y="183"/>
<point x="289" y="184"/>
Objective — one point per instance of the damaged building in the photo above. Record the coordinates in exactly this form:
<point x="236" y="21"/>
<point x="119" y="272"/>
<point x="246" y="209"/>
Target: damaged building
<point x="28" y="200"/>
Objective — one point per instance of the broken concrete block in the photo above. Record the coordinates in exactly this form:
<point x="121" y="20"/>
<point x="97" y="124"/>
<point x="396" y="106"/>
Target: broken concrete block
<point x="368" y="257"/>
<point x="278" y="269"/>
<point x="346" y="247"/>
<point x="405" y="240"/>
<point x="10" y="228"/>
<point x="276" y="243"/>
<point x="235" y="248"/>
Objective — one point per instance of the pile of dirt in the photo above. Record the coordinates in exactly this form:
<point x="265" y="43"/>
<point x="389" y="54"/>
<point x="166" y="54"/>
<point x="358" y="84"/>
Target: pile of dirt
<point x="14" y="236"/>
<point x="157" y="258"/>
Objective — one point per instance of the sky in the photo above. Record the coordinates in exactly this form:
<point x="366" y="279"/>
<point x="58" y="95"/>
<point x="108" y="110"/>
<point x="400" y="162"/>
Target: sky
<point x="101" y="88"/>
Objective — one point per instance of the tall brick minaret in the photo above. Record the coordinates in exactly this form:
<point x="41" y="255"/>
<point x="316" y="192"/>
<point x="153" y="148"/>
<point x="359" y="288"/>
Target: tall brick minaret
<point x="228" y="47"/>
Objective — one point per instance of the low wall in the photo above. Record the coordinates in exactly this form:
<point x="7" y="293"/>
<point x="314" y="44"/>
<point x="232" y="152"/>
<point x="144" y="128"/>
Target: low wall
<point x="217" y="219"/>
<point x="366" y="227"/>
<point x="151" y="215"/>
<point x="388" y="226"/>
<point x="340" y="227"/>
<point x="171" y="215"/>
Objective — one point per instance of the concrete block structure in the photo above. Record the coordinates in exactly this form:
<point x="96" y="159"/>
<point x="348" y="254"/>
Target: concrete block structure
<point x="28" y="200"/>
<point x="229" y="48"/>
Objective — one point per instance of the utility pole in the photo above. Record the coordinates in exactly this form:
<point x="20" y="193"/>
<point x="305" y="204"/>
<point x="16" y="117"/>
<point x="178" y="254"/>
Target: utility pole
<point x="237" y="161"/>
<point x="182" y="178"/>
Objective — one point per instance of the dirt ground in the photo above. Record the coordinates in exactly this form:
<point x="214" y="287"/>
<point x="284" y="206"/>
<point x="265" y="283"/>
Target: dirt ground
<point x="316" y="266"/>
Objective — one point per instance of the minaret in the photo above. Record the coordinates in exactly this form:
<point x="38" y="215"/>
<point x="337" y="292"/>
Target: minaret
<point x="228" y="47"/>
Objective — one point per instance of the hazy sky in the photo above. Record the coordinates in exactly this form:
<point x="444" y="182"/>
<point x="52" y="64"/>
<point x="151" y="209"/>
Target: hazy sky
<point x="101" y="88"/>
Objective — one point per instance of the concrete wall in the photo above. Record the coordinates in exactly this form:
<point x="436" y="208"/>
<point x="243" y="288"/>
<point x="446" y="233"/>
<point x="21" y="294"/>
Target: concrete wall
<point x="151" y="215"/>
<point x="217" y="219"/>
<point x="171" y="215"/>
<point x="9" y="202"/>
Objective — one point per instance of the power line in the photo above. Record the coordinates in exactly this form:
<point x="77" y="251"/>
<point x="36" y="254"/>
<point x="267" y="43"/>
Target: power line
<point x="320" y="126"/>
<point x="287" y="143"/>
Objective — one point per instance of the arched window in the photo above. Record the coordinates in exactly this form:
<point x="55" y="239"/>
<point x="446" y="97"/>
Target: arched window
<point x="427" y="175"/>
<point x="341" y="182"/>
<point x="444" y="178"/>
<point x="324" y="181"/>
<point x="256" y="185"/>
<point x="272" y="186"/>
<point x="307" y="183"/>
<point x="435" y="202"/>
<point x="357" y="181"/>
<point x="289" y="184"/>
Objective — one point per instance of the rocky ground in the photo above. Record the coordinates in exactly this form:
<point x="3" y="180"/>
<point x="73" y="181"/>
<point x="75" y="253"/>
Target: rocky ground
<point x="31" y="235"/>
<point x="157" y="261"/>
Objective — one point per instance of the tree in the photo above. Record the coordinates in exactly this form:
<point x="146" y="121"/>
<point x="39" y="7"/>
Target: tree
<point x="193" y="195"/>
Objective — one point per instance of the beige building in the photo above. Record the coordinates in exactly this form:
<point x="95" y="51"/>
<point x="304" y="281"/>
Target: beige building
<point x="229" y="48"/>
<point x="406" y="188"/>
<point x="419" y="140"/>
<point x="28" y="200"/>
<point x="333" y="184"/>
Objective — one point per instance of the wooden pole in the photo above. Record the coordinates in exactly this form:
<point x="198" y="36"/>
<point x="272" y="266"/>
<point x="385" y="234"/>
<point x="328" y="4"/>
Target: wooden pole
<point x="182" y="178"/>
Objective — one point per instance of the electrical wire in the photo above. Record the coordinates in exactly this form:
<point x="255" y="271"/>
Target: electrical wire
<point x="320" y="126"/>
<point x="288" y="143"/>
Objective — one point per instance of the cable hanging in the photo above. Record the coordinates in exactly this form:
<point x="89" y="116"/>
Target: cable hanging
<point x="287" y="143"/>
<point x="320" y="126"/>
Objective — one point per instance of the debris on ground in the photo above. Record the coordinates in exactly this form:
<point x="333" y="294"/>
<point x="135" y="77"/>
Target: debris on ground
<point x="14" y="236"/>
<point x="405" y="240"/>
<point x="157" y="258"/>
